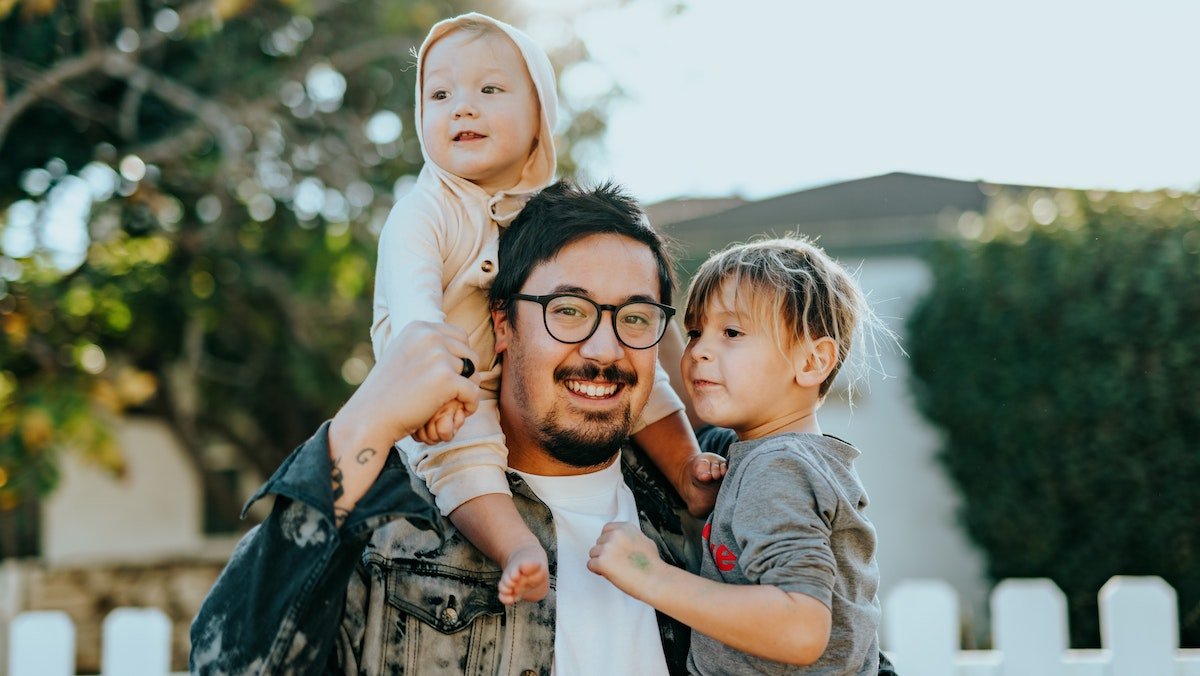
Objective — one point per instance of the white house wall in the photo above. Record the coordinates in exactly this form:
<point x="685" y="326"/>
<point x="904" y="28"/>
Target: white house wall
<point x="913" y="505"/>
<point x="154" y="511"/>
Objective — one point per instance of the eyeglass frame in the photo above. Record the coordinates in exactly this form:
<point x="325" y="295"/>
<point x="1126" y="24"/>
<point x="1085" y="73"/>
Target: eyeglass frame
<point x="544" y="301"/>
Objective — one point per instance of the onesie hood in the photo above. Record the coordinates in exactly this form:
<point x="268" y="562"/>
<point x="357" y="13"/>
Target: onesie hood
<point x="539" y="168"/>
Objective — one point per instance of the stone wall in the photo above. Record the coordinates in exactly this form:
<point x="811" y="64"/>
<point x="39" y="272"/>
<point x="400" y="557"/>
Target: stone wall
<point x="89" y="593"/>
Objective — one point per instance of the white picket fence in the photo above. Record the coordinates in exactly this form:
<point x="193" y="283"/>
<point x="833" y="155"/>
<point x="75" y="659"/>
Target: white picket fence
<point x="1139" y="631"/>
<point x="1138" y="621"/>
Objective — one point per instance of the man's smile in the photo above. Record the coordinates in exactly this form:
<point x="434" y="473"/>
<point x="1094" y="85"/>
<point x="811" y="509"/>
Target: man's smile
<point x="593" y="390"/>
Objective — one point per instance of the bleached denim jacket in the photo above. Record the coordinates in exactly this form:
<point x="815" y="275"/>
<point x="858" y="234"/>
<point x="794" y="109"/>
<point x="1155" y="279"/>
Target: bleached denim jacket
<point x="396" y="590"/>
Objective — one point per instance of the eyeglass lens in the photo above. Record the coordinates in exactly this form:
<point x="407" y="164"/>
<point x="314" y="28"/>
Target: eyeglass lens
<point x="571" y="319"/>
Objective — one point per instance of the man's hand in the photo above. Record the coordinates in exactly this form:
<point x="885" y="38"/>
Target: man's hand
<point x="417" y="375"/>
<point x="626" y="557"/>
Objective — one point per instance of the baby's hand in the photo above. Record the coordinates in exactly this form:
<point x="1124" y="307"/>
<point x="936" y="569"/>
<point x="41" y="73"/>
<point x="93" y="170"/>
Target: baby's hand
<point x="626" y="557"/>
<point x="443" y="425"/>
<point x="707" y="470"/>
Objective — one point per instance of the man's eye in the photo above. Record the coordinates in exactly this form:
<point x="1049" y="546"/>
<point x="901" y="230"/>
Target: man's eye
<point x="636" y="320"/>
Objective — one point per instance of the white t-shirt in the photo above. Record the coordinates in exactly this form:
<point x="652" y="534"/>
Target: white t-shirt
<point x="598" y="629"/>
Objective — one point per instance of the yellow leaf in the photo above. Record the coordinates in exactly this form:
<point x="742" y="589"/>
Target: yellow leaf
<point x="135" y="387"/>
<point x="37" y="8"/>
<point x="6" y="7"/>
<point x="37" y="429"/>
<point x="226" y="9"/>
<point x="16" y="326"/>
<point x="105" y="394"/>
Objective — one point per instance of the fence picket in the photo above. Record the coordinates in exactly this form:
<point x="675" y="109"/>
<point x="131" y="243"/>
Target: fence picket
<point x="1029" y="627"/>
<point x="1139" y="623"/>
<point x="137" y="642"/>
<point x="922" y="625"/>
<point x="42" y="644"/>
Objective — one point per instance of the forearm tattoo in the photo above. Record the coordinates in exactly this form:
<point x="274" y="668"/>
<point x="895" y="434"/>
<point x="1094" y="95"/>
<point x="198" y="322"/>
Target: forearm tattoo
<point x="336" y="480"/>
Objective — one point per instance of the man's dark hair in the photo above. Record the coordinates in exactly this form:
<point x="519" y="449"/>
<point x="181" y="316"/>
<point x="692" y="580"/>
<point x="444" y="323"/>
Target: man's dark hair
<point x="561" y="214"/>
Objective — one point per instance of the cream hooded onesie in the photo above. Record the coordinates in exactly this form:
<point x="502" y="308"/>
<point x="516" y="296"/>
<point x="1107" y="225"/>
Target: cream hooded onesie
<point x="437" y="259"/>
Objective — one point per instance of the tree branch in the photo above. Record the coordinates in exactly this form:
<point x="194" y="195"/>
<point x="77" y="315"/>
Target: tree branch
<point x="46" y="85"/>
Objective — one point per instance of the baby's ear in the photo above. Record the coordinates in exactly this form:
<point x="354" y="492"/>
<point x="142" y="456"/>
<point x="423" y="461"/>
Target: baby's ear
<point x="814" y="362"/>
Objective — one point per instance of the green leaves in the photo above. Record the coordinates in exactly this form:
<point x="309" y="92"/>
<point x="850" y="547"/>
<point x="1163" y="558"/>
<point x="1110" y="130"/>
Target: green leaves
<point x="1062" y="359"/>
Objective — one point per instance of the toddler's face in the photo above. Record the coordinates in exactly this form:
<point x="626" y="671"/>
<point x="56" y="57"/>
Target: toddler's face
<point x="734" y="371"/>
<point x="479" y="109"/>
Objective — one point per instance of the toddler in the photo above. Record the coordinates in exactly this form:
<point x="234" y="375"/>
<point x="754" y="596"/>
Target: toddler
<point x="788" y="573"/>
<point x="485" y="113"/>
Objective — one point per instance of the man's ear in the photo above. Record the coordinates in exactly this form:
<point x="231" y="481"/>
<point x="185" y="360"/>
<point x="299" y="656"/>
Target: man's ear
<point x="813" y="363"/>
<point x="502" y="328"/>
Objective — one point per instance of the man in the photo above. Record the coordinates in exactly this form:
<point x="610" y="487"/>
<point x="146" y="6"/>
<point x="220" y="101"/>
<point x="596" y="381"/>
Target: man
<point x="361" y="575"/>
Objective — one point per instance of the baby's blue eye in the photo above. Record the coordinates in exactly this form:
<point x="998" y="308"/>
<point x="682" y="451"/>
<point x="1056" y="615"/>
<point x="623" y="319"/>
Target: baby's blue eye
<point x="491" y="89"/>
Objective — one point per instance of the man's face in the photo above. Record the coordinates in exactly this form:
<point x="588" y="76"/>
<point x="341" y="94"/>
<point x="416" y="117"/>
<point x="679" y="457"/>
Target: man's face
<point x="566" y="408"/>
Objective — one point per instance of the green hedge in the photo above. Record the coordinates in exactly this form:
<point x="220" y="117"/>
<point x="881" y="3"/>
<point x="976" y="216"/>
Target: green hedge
<point x="1058" y="351"/>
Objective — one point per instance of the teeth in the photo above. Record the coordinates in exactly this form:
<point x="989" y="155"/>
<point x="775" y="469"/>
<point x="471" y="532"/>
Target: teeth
<point x="590" y="389"/>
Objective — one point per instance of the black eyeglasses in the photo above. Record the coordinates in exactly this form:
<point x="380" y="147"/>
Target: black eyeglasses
<point x="570" y="319"/>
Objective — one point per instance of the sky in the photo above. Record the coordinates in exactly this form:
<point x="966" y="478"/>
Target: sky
<point x="763" y="97"/>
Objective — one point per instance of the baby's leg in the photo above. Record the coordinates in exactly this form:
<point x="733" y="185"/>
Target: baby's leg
<point x="492" y="524"/>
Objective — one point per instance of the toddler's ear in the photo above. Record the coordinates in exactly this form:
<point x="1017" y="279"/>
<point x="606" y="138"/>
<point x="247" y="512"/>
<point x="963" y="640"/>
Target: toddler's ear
<point x="813" y="363"/>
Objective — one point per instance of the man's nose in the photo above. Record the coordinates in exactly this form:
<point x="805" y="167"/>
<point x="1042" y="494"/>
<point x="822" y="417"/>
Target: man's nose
<point x="603" y="345"/>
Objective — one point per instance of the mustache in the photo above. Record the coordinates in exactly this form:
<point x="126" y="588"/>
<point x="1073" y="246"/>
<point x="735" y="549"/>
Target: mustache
<point x="611" y="373"/>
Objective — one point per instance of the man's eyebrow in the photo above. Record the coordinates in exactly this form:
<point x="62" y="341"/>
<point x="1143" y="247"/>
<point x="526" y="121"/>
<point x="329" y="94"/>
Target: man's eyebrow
<point x="580" y="291"/>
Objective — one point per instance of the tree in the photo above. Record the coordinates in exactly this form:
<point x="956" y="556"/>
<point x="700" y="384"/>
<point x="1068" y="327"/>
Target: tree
<point x="1057" y="351"/>
<point x="193" y="196"/>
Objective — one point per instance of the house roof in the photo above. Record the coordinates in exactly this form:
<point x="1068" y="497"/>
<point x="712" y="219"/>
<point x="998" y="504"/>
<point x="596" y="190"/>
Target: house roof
<point x="891" y="213"/>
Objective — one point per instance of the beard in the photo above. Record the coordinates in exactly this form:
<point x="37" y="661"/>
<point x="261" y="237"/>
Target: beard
<point x="592" y="444"/>
<point x="595" y="441"/>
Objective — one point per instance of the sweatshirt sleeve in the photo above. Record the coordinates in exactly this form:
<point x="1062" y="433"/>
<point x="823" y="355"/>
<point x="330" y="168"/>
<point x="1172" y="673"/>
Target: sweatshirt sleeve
<point x="277" y="606"/>
<point x="663" y="401"/>
<point x="409" y="271"/>
<point x="784" y="522"/>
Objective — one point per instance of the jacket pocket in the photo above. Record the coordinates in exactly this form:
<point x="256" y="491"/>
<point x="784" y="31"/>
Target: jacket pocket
<point x="448" y="619"/>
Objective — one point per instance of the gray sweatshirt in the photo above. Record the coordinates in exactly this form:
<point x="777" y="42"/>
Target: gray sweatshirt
<point x="790" y="514"/>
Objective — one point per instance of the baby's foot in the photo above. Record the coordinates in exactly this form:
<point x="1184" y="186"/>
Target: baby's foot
<point x="526" y="576"/>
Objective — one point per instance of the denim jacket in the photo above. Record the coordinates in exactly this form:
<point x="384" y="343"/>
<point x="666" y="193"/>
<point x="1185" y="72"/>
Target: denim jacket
<point x="396" y="590"/>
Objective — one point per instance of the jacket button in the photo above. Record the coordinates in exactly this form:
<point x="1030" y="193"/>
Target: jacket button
<point x="449" y="616"/>
<point x="487" y="266"/>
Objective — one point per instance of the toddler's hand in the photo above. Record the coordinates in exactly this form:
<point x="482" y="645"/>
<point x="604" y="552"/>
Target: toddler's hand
<point x="625" y="557"/>
<point x="443" y="425"/>
<point x="706" y="471"/>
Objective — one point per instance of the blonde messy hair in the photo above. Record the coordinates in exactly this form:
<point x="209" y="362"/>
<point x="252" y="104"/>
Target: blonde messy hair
<point x="790" y="287"/>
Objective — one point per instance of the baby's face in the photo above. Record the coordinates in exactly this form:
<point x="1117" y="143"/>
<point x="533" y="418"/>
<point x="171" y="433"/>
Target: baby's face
<point x="479" y="113"/>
